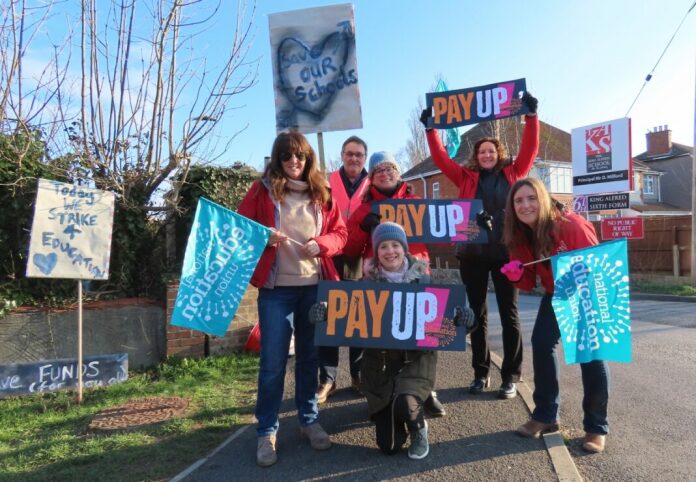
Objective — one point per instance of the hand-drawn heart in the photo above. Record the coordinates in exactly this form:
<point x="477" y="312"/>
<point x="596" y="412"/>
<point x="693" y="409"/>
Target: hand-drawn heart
<point x="46" y="263"/>
<point x="311" y="78"/>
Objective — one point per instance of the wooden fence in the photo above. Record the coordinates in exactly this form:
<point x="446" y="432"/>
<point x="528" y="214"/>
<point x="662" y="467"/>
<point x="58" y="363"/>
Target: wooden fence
<point x="664" y="250"/>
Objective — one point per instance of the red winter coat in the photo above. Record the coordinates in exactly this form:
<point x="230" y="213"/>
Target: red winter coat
<point x="573" y="232"/>
<point x="258" y="205"/>
<point x="467" y="179"/>
<point x="360" y="243"/>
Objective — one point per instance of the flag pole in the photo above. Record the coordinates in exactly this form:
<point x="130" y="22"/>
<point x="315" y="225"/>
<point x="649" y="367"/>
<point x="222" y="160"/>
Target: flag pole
<point x="693" y="190"/>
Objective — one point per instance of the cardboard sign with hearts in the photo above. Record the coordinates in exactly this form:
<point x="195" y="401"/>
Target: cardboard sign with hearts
<point x="315" y="69"/>
<point x="71" y="232"/>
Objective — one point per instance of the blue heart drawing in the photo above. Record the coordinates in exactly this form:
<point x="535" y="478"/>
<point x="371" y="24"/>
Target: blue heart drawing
<point x="46" y="263"/>
<point x="311" y="77"/>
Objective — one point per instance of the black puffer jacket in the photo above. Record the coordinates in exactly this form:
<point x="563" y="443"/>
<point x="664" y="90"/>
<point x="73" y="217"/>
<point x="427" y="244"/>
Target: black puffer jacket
<point x="388" y="373"/>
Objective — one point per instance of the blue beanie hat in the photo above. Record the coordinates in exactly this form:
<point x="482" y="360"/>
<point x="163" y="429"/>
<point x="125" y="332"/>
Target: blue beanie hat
<point x="386" y="232"/>
<point x="382" y="157"/>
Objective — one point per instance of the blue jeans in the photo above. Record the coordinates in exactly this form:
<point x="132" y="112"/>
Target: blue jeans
<point x="547" y="398"/>
<point x="275" y="306"/>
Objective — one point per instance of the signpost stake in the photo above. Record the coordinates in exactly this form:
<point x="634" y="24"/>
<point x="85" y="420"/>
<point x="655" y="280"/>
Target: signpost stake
<point x="79" y="341"/>
<point x="320" y="140"/>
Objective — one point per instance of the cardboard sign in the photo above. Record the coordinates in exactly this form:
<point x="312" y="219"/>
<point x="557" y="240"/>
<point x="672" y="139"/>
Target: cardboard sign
<point x="608" y="201"/>
<point x="472" y="105"/>
<point x="52" y="375"/>
<point x="403" y="316"/>
<point x="435" y="220"/>
<point x="615" y="228"/>
<point x="71" y="232"/>
<point x="602" y="157"/>
<point x="592" y="302"/>
<point x="315" y="69"/>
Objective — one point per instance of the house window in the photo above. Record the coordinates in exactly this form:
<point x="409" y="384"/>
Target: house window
<point x="648" y="184"/>
<point x="560" y="180"/>
<point x="436" y="190"/>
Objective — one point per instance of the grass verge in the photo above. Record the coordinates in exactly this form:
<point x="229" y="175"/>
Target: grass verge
<point x="46" y="437"/>
<point x="663" y="288"/>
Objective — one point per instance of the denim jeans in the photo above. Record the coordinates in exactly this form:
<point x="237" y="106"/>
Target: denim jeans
<point x="547" y="398"/>
<point x="275" y="306"/>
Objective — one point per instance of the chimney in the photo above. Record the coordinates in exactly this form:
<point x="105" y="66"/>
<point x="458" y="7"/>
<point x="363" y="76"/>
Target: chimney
<point x="659" y="141"/>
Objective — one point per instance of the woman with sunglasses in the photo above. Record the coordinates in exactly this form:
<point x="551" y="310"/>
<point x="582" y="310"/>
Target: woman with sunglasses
<point x="294" y="200"/>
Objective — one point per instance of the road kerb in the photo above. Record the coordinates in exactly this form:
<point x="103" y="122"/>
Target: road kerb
<point x="562" y="462"/>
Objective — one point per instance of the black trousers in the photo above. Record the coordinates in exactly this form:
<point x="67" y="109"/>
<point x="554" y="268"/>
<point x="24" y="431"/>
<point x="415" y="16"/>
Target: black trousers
<point x="393" y="423"/>
<point x="474" y="273"/>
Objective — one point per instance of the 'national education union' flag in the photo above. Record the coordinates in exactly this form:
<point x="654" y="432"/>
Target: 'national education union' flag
<point x="452" y="140"/>
<point x="221" y="255"/>
<point x="592" y="302"/>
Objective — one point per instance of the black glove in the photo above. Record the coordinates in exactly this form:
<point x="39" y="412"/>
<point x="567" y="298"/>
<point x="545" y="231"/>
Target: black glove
<point x="369" y="222"/>
<point x="464" y="316"/>
<point x="485" y="220"/>
<point x="530" y="101"/>
<point x="425" y="115"/>
<point x="318" y="312"/>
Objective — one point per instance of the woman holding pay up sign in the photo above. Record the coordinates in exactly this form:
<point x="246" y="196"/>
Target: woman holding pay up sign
<point x="488" y="176"/>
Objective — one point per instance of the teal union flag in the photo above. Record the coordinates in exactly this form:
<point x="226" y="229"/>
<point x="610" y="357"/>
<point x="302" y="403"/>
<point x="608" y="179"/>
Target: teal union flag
<point x="592" y="302"/>
<point x="450" y="136"/>
<point x="221" y="254"/>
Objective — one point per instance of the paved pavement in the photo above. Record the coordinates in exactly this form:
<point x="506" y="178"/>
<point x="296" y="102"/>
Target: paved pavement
<point x="651" y="407"/>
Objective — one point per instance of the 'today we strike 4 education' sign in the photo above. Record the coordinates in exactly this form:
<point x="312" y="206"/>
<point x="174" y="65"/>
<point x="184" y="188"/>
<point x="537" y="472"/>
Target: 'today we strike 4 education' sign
<point x="71" y="232"/>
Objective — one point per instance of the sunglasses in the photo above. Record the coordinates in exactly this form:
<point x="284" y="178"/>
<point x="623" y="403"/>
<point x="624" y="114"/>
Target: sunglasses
<point x="287" y="156"/>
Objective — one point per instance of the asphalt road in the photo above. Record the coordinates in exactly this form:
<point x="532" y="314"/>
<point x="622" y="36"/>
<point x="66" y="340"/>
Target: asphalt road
<point x="652" y="420"/>
<point x="652" y="402"/>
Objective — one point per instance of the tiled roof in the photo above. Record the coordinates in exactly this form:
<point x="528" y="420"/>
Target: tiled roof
<point x="677" y="150"/>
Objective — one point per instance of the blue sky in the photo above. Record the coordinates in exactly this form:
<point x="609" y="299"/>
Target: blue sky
<point x="585" y="61"/>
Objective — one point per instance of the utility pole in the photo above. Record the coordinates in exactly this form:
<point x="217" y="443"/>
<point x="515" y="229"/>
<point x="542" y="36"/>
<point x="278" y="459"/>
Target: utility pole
<point x="693" y="190"/>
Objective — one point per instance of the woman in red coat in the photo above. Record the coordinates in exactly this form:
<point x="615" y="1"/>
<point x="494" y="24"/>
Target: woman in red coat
<point x="488" y="176"/>
<point x="292" y="198"/>
<point x="537" y="227"/>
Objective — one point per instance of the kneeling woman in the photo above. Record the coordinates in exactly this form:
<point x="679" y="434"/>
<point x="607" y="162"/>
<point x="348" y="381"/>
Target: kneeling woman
<point x="395" y="382"/>
<point x="536" y="227"/>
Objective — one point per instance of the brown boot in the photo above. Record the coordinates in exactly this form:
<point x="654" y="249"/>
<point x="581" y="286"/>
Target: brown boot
<point x="324" y="391"/>
<point x="266" y="451"/>
<point x="318" y="438"/>
<point x="594" y="442"/>
<point x="534" y="428"/>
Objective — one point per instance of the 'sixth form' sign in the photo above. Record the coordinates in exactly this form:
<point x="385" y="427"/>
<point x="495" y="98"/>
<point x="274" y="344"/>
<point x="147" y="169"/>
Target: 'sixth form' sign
<point x="390" y="315"/>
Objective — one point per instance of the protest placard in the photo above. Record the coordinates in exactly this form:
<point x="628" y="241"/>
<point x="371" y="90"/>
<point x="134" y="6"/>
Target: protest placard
<point x="472" y="105"/>
<point x="71" y="232"/>
<point x="315" y="69"/>
<point x="390" y="315"/>
<point x="435" y="220"/>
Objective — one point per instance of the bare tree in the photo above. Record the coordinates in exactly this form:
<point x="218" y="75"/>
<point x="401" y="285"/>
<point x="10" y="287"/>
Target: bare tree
<point x="416" y="146"/>
<point x="28" y="94"/>
<point x="150" y="98"/>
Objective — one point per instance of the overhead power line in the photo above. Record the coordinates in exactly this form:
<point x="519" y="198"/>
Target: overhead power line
<point x="649" y="76"/>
